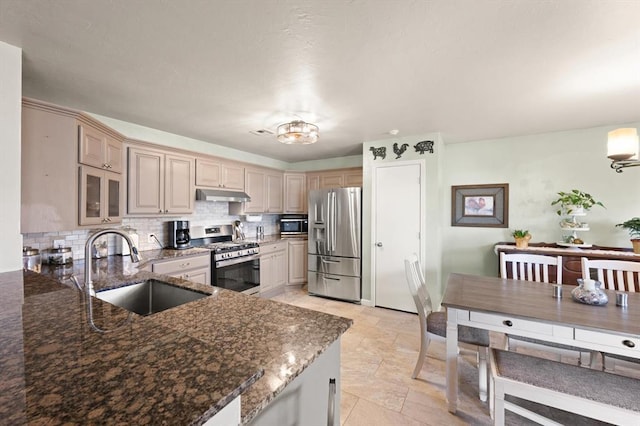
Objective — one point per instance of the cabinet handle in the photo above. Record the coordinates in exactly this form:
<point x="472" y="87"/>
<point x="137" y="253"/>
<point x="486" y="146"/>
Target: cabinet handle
<point x="331" y="412"/>
<point x="629" y="343"/>
<point x="184" y="265"/>
<point x="508" y="323"/>
<point x="166" y="211"/>
<point x="159" y="211"/>
<point x="105" y="166"/>
<point x="108" y="219"/>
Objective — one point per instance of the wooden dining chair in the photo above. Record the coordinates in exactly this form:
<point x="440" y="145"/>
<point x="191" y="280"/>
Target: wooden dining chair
<point x="620" y="275"/>
<point x="535" y="267"/>
<point x="434" y="324"/>
<point x="530" y="267"/>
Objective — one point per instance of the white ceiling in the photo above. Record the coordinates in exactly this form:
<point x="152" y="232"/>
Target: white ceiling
<point x="215" y="70"/>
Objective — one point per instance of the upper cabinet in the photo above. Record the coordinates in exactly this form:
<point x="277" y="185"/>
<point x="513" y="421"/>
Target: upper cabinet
<point x="160" y="182"/>
<point x="219" y="174"/>
<point x="339" y="178"/>
<point x="266" y="189"/>
<point x="71" y="170"/>
<point x="295" y="192"/>
<point x="97" y="149"/>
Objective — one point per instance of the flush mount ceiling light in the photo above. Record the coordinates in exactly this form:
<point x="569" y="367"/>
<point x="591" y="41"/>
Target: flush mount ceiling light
<point x="622" y="148"/>
<point x="298" y="132"/>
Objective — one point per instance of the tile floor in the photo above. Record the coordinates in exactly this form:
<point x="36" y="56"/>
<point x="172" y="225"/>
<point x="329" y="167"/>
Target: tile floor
<point x="378" y="356"/>
<point x="379" y="353"/>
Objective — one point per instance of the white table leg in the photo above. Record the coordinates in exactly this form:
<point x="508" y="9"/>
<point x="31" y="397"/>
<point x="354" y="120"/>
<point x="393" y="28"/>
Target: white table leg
<point x="452" y="359"/>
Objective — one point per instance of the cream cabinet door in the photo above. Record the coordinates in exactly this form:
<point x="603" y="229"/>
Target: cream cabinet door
<point x="267" y="274"/>
<point x="295" y="193"/>
<point x="274" y="189"/>
<point x="331" y="181"/>
<point x="97" y="149"/>
<point x="281" y="270"/>
<point x="99" y="198"/>
<point x="179" y="191"/>
<point x="298" y="259"/>
<point x="146" y="181"/>
<point x="353" y="178"/>
<point x="232" y="176"/>
<point x="208" y="173"/>
<point x="254" y="186"/>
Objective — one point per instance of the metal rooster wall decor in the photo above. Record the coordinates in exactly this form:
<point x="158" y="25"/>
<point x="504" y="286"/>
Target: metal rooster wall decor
<point x="400" y="150"/>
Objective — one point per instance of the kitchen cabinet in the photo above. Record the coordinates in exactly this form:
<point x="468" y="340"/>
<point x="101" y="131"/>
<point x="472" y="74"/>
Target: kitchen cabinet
<point x="98" y="149"/>
<point x="338" y="178"/>
<point x="100" y="196"/>
<point x="266" y="189"/>
<point x="305" y="400"/>
<point x="273" y="267"/>
<point x="160" y="182"/>
<point x="193" y="268"/>
<point x="298" y="258"/>
<point x="53" y="193"/>
<point x="219" y="174"/>
<point x="295" y="193"/>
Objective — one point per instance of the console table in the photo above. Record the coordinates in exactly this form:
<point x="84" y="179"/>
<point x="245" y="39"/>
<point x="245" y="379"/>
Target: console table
<point x="571" y="266"/>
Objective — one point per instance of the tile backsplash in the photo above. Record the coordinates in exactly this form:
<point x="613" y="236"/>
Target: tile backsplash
<point x="205" y="213"/>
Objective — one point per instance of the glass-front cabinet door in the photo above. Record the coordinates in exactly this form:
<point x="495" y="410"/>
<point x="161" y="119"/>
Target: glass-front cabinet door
<point x="100" y="196"/>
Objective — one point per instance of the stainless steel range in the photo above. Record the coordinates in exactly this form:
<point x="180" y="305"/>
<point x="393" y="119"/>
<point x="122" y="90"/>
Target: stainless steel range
<point x="235" y="265"/>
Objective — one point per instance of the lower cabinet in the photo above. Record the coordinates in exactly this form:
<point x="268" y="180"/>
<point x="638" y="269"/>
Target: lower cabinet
<point x="298" y="259"/>
<point x="306" y="400"/>
<point x="273" y="268"/>
<point x="193" y="268"/>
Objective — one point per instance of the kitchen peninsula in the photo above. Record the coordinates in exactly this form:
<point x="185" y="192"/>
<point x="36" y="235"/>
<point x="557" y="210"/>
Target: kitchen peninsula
<point x="179" y="366"/>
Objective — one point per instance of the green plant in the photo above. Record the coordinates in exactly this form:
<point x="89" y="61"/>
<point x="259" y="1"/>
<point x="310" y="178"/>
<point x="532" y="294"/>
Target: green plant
<point x="633" y="226"/>
<point x="519" y="233"/>
<point x="575" y="198"/>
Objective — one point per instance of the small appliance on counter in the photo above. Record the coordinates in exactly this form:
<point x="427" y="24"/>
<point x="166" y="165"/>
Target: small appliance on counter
<point x="179" y="237"/>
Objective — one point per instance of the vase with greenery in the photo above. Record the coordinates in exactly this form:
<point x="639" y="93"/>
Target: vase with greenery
<point x="633" y="227"/>
<point x="574" y="202"/>
<point x="522" y="237"/>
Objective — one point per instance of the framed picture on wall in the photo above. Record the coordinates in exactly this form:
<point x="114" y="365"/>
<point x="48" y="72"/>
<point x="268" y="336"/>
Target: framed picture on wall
<point x="480" y="205"/>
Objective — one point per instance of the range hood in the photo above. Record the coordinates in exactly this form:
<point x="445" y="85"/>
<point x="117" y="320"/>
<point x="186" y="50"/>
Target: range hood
<point x="219" y="195"/>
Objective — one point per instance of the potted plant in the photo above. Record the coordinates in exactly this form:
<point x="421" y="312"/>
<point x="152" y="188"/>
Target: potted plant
<point x="633" y="226"/>
<point x="522" y="237"/>
<point x="575" y="202"/>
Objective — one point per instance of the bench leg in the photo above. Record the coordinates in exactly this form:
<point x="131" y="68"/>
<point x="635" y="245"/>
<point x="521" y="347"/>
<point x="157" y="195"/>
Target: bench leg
<point x="498" y="403"/>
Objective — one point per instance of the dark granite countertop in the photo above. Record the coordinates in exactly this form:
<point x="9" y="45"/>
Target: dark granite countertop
<point x="179" y="366"/>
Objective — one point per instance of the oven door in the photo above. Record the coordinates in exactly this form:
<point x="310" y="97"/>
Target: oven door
<point x="241" y="274"/>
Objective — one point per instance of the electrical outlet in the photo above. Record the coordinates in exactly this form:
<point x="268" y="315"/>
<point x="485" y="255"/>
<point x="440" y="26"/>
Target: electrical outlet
<point x="150" y="238"/>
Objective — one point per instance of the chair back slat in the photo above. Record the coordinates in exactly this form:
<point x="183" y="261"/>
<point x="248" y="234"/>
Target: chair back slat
<point x="530" y="267"/>
<point x="620" y="275"/>
<point x="417" y="286"/>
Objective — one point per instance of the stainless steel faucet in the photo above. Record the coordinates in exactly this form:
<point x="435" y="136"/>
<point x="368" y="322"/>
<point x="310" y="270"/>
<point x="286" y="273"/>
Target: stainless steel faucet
<point x="88" y="282"/>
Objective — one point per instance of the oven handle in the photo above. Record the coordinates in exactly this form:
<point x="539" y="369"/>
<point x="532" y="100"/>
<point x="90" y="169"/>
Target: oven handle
<point x="223" y="263"/>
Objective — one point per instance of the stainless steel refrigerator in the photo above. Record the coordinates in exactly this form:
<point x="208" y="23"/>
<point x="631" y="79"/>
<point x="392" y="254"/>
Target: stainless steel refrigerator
<point x="335" y="243"/>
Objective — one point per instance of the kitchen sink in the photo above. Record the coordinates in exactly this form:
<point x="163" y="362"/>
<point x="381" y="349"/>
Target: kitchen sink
<point x="149" y="297"/>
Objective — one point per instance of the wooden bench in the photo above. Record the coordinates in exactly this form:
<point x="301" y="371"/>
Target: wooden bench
<point x="590" y="393"/>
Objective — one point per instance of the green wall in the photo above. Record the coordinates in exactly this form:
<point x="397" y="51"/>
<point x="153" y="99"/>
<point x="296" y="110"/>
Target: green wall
<point x="536" y="167"/>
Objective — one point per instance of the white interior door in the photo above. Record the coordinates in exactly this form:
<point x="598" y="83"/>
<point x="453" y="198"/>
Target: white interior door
<point x="397" y="223"/>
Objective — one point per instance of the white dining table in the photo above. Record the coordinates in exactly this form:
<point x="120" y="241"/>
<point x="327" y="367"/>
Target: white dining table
<point x="529" y="309"/>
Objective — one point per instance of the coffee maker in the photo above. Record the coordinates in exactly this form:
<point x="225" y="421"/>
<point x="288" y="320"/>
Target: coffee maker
<point x="179" y="237"/>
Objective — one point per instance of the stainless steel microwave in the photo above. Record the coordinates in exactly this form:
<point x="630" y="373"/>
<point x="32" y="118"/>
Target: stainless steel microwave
<point x="294" y="225"/>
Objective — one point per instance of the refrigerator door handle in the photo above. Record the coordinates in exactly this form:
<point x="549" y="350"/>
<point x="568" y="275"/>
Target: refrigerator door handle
<point x="334" y="218"/>
<point x="332" y="279"/>
<point x="328" y="261"/>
